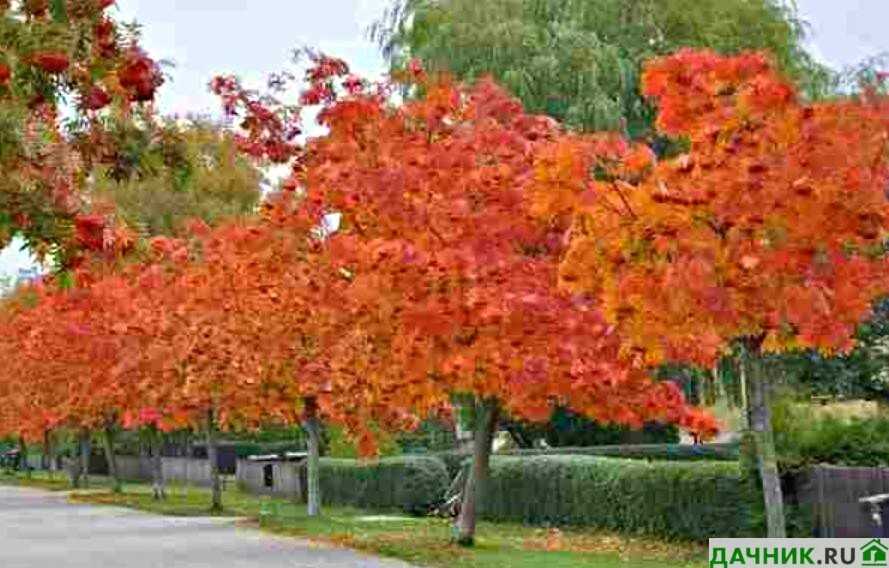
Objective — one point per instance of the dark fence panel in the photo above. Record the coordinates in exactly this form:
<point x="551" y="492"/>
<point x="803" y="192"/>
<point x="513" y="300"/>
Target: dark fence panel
<point x="828" y="496"/>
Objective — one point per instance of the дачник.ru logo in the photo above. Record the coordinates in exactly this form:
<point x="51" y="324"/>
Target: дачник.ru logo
<point x="798" y="552"/>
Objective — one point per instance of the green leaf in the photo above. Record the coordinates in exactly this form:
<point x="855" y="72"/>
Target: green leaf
<point x="66" y="280"/>
<point x="58" y="11"/>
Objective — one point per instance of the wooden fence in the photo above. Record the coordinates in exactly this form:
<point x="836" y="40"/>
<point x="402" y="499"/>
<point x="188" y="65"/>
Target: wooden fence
<point x="827" y="499"/>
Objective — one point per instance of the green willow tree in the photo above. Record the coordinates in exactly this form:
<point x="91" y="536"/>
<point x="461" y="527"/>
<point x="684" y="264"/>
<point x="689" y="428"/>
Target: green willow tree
<point x="579" y="60"/>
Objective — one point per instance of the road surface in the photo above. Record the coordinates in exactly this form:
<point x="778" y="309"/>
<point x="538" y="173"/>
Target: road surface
<point x="40" y="530"/>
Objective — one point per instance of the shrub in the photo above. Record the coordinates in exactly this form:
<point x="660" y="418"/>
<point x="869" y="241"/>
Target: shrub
<point x="409" y="483"/>
<point x="453" y="460"/>
<point x="568" y="429"/>
<point x="661" y="452"/>
<point x="676" y="500"/>
<point x="804" y="436"/>
<point x="854" y="442"/>
<point x="432" y="436"/>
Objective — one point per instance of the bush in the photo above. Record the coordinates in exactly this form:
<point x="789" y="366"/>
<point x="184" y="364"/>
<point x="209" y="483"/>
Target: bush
<point x="567" y="429"/>
<point x="432" y="436"/>
<point x="802" y="439"/>
<point x="663" y="452"/>
<point x="676" y="500"/>
<point x="453" y="460"/>
<point x="409" y="483"/>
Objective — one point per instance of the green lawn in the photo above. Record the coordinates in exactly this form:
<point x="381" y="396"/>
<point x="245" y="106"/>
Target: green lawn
<point x="422" y="541"/>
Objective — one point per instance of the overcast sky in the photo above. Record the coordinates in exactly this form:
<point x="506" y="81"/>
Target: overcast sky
<point x="252" y="38"/>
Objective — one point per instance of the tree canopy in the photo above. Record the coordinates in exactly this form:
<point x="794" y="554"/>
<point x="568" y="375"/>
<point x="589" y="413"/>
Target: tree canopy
<point x="580" y="60"/>
<point x="53" y="53"/>
<point x="174" y="171"/>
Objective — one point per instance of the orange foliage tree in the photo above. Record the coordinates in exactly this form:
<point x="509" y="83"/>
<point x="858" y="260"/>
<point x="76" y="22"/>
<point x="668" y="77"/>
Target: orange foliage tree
<point x="440" y="283"/>
<point x="64" y="343"/>
<point x="769" y="230"/>
<point x="452" y="282"/>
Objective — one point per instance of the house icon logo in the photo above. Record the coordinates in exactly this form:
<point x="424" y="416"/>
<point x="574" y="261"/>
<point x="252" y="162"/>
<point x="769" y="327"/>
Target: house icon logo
<point x="873" y="554"/>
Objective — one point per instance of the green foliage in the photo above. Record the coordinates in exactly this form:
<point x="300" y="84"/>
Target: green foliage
<point x="676" y="500"/>
<point x="802" y="438"/>
<point x="861" y="373"/>
<point x="580" y="60"/>
<point x="431" y="436"/>
<point x="565" y="428"/>
<point x="167" y="173"/>
<point x="408" y="483"/>
<point x="664" y="452"/>
<point x="455" y="459"/>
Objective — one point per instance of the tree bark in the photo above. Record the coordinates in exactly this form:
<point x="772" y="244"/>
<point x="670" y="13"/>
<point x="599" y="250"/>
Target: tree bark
<point x="486" y="417"/>
<point x="213" y="457"/>
<point x="23" y="458"/>
<point x="50" y="448"/>
<point x="85" y="451"/>
<point x="155" y="446"/>
<point x="108" y="444"/>
<point x="760" y="423"/>
<point x="312" y="427"/>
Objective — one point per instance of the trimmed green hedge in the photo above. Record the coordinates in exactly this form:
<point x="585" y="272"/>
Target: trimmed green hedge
<point x="409" y="483"/>
<point x="677" y="500"/>
<point x="454" y="459"/>
<point x="665" y="452"/>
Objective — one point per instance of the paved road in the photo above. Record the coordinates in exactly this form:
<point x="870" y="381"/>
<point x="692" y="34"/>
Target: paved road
<point x="43" y="530"/>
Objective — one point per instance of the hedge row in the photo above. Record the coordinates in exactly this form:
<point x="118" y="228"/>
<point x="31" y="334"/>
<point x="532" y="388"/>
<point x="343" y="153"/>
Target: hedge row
<point x="409" y="483"/>
<point x="454" y="459"/>
<point x="672" y="499"/>
<point x="667" y="452"/>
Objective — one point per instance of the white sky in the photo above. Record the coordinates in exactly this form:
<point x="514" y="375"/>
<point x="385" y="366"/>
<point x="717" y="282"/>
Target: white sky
<point x="252" y="38"/>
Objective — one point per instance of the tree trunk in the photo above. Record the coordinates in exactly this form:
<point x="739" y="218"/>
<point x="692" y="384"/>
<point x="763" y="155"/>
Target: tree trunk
<point x="213" y="457"/>
<point x="23" y="458"/>
<point x="486" y="417"/>
<point x="155" y="446"/>
<point x="113" y="473"/>
<point x="50" y="449"/>
<point x="760" y="423"/>
<point x="85" y="451"/>
<point x="312" y="427"/>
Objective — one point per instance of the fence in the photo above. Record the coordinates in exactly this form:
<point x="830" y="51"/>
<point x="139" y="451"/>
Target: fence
<point x="827" y="499"/>
<point x="176" y="470"/>
<point x="282" y="478"/>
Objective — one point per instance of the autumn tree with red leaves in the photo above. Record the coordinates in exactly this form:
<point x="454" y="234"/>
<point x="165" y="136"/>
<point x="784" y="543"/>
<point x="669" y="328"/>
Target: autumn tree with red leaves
<point x="769" y="231"/>
<point x="452" y="282"/>
<point x="440" y="283"/>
